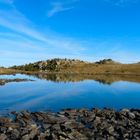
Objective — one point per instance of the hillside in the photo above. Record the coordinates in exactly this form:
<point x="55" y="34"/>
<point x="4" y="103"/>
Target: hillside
<point x="106" y="66"/>
<point x="53" y="65"/>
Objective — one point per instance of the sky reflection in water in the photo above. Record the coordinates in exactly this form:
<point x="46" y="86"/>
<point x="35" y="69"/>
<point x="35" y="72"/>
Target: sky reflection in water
<point x="42" y="95"/>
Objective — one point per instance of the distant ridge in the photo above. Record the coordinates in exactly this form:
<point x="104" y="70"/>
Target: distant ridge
<point x="57" y="64"/>
<point x="105" y="66"/>
<point x="50" y="65"/>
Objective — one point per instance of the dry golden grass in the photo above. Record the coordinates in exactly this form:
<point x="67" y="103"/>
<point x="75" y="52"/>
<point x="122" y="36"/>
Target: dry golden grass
<point x="104" y="69"/>
<point x="7" y="71"/>
<point x="89" y="68"/>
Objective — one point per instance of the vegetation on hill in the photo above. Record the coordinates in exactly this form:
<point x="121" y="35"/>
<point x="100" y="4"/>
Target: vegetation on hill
<point x="106" y="66"/>
<point x="106" y="61"/>
<point x="49" y="65"/>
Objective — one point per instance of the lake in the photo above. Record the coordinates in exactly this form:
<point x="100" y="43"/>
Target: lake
<point x="56" y="92"/>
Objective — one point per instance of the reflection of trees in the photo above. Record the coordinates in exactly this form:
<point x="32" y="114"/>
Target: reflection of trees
<point x="5" y="81"/>
<point x="104" y="79"/>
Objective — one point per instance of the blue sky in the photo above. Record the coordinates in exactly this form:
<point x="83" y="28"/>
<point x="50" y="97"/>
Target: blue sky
<point x="32" y="30"/>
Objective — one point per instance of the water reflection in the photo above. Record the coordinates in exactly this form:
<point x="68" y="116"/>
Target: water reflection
<point x="104" y="79"/>
<point x="5" y="81"/>
<point x="61" y="91"/>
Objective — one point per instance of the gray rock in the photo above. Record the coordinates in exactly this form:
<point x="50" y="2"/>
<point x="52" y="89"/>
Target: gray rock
<point x="131" y="115"/>
<point x="3" y="137"/>
<point x="80" y="124"/>
<point x="111" y="130"/>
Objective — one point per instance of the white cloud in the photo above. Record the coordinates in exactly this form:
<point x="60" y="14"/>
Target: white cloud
<point x="22" y="42"/>
<point x="61" y="6"/>
<point x="56" y="8"/>
<point x="19" y="24"/>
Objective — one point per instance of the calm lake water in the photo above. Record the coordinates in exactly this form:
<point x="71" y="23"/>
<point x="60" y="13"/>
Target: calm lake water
<point x="55" y="93"/>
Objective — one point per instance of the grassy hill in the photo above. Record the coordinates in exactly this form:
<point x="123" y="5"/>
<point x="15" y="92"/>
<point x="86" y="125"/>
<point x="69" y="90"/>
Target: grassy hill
<point x="53" y="65"/>
<point x="106" y="66"/>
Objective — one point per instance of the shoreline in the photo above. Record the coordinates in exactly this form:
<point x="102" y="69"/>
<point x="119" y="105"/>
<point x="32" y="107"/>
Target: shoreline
<point x="75" y="77"/>
<point x="13" y="72"/>
<point x="72" y="124"/>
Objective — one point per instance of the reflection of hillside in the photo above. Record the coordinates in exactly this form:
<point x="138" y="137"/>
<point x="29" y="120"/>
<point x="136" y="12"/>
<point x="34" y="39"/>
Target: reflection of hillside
<point x="105" y="79"/>
<point x="5" y="81"/>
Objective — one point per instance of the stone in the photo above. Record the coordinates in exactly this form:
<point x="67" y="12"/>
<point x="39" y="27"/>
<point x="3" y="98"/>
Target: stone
<point x="111" y="138"/>
<point x="25" y="137"/>
<point x="97" y="120"/>
<point x="3" y="137"/>
<point x="111" y="130"/>
<point x="5" y="120"/>
<point x="46" y="126"/>
<point x="15" y="134"/>
<point x="131" y="115"/>
<point x="75" y="124"/>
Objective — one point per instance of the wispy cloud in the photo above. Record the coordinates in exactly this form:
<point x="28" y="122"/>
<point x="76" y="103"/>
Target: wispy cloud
<point x="12" y="19"/>
<point x="56" y="8"/>
<point x="61" y="6"/>
<point x="21" y="35"/>
<point x="22" y="42"/>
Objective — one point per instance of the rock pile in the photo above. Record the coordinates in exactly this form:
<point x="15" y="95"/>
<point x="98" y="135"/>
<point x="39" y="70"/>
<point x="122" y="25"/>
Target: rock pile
<point x="72" y="124"/>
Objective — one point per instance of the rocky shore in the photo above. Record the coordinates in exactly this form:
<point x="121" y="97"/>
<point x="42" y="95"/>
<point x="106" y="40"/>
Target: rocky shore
<point x="72" y="124"/>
